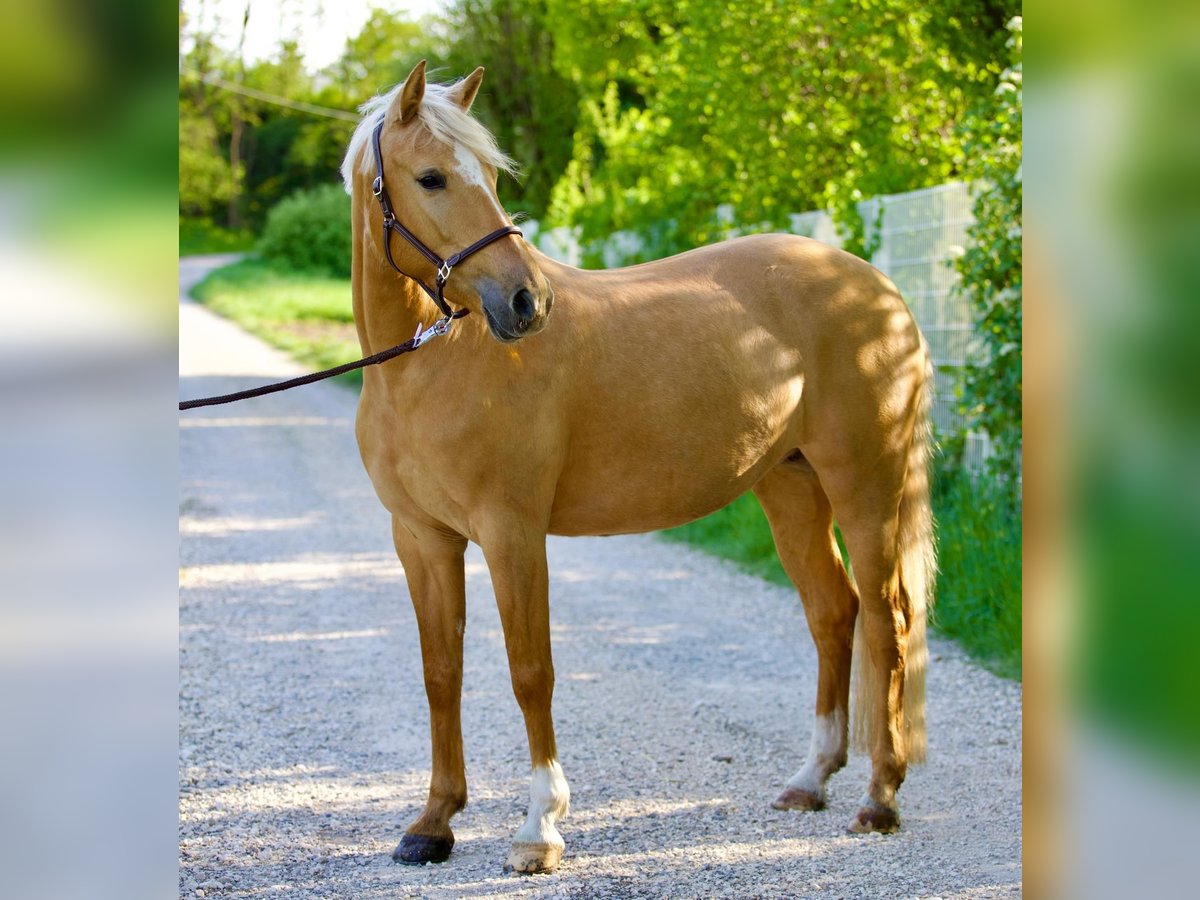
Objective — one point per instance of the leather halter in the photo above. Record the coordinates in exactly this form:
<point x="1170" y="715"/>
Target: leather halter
<point x="444" y="266"/>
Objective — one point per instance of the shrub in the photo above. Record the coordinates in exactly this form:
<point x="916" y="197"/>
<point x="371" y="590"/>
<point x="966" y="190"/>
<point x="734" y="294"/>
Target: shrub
<point x="310" y="231"/>
<point x="990" y="390"/>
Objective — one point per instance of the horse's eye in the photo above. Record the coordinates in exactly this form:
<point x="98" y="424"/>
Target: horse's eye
<point x="432" y="181"/>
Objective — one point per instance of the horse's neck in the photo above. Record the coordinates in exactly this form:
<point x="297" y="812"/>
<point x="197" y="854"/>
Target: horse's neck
<point x="387" y="308"/>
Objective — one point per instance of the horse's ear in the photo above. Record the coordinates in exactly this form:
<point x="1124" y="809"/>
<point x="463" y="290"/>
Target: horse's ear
<point x="406" y="105"/>
<point x="464" y="92"/>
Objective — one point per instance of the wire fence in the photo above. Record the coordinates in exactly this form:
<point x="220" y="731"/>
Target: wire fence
<point x="919" y="234"/>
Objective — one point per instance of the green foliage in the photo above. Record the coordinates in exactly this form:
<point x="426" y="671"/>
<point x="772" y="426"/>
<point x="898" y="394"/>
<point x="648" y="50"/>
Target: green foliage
<point x="990" y="390"/>
<point x="1137" y="662"/>
<point x="525" y="101"/>
<point x="773" y="108"/>
<point x="310" y="231"/>
<point x="205" y="179"/>
<point x="309" y="316"/>
<point x="199" y="235"/>
<point x="279" y="149"/>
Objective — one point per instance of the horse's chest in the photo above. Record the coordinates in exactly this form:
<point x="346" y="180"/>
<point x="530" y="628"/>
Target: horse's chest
<point x="435" y="463"/>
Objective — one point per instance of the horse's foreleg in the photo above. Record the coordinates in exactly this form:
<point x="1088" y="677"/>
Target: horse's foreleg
<point x="521" y="581"/>
<point x="802" y="526"/>
<point x="433" y="567"/>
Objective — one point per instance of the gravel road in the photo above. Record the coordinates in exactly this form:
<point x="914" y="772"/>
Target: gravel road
<point x="683" y="701"/>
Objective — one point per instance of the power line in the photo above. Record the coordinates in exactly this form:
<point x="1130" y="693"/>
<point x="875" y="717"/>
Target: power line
<point x="276" y="100"/>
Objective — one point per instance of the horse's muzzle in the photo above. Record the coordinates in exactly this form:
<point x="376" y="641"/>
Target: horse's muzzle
<point x="521" y="315"/>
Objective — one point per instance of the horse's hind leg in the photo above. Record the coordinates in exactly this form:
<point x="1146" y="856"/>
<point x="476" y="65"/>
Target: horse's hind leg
<point x="433" y="567"/>
<point x="881" y="520"/>
<point x="802" y="525"/>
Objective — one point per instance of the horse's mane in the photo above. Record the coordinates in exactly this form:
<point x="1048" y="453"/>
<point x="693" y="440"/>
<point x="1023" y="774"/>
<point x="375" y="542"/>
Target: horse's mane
<point x="446" y="120"/>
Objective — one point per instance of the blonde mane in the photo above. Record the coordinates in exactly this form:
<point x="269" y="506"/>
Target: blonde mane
<point x="440" y="113"/>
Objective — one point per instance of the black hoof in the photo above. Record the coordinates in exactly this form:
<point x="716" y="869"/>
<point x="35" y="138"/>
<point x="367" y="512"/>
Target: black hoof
<point x="417" y="849"/>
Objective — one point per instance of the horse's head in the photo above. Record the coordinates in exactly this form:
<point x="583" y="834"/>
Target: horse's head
<point x="439" y="168"/>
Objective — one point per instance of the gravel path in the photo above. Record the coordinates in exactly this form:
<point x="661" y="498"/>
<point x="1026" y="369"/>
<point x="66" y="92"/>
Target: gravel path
<point x="684" y="698"/>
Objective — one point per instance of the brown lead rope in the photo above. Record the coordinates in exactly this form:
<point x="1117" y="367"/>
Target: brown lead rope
<point x="438" y="328"/>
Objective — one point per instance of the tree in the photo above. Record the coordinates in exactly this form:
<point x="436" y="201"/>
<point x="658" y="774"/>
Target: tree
<point x="527" y="104"/>
<point x="774" y="108"/>
<point x="990" y="390"/>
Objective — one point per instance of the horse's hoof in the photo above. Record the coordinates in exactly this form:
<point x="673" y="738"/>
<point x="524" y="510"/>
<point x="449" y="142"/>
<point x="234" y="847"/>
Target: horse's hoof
<point x="533" y="859"/>
<point x="873" y="816"/>
<point x="418" y="849"/>
<point x="798" y="798"/>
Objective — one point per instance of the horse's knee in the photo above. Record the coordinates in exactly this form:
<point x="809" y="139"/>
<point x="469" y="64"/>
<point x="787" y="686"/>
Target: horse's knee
<point x="533" y="685"/>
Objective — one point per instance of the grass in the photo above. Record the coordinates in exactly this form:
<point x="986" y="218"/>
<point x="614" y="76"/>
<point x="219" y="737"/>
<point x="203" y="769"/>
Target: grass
<point x="979" y="560"/>
<point x="978" y="600"/>
<point x="308" y="316"/>
<point x="979" y="525"/>
<point x="198" y="236"/>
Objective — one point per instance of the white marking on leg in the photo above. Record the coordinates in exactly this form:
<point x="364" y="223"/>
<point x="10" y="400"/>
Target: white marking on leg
<point x="826" y="752"/>
<point x="549" y="801"/>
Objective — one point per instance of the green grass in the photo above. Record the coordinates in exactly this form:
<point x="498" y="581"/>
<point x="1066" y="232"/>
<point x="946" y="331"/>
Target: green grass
<point x="198" y="236"/>
<point x="308" y="316"/>
<point x="979" y="584"/>
<point x="738" y="532"/>
<point x="979" y="525"/>
<point x="1137" y="613"/>
<point x="979" y="561"/>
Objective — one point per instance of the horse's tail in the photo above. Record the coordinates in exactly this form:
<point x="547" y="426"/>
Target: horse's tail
<point x="918" y="570"/>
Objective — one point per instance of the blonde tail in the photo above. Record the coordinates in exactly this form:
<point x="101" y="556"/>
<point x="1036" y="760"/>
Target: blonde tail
<point x="918" y="571"/>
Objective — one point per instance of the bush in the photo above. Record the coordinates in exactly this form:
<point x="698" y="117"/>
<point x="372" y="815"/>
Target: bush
<point x="200" y="235"/>
<point x="310" y="231"/>
<point x="991" y="389"/>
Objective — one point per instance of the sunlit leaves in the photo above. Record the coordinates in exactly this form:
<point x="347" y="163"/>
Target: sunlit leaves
<point x="773" y="107"/>
<point x="991" y="266"/>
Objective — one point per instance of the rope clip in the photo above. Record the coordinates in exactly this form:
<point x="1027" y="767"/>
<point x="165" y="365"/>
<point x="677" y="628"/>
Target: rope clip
<point x="437" y="329"/>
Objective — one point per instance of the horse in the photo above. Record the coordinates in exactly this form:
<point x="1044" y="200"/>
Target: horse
<point x="576" y="402"/>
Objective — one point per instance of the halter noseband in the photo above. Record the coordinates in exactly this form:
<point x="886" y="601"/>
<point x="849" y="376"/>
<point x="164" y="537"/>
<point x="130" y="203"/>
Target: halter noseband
<point x="444" y="266"/>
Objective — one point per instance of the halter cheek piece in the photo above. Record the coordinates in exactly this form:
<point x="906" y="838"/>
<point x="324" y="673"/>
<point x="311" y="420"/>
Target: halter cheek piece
<point x="444" y="266"/>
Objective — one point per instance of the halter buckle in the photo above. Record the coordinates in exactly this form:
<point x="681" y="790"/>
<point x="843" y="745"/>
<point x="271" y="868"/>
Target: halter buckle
<point x="377" y="185"/>
<point x="443" y="273"/>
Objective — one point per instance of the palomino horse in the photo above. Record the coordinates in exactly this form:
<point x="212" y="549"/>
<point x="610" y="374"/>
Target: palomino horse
<point x="651" y="396"/>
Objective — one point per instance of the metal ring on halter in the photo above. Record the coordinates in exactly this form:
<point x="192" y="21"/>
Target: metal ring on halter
<point x="444" y="271"/>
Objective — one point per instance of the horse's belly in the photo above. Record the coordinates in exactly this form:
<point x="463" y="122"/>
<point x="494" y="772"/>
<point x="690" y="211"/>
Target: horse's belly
<point x="592" y="519"/>
<point x="624" y="488"/>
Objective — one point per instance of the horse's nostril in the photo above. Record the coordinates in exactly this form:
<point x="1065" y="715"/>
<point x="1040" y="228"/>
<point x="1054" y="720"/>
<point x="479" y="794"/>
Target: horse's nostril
<point x="523" y="305"/>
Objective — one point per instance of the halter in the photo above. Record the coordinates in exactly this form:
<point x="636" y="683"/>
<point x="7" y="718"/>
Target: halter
<point x="444" y="266"/>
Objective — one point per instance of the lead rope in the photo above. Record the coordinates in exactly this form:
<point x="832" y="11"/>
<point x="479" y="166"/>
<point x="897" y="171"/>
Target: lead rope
<point x="422" y="337"/>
